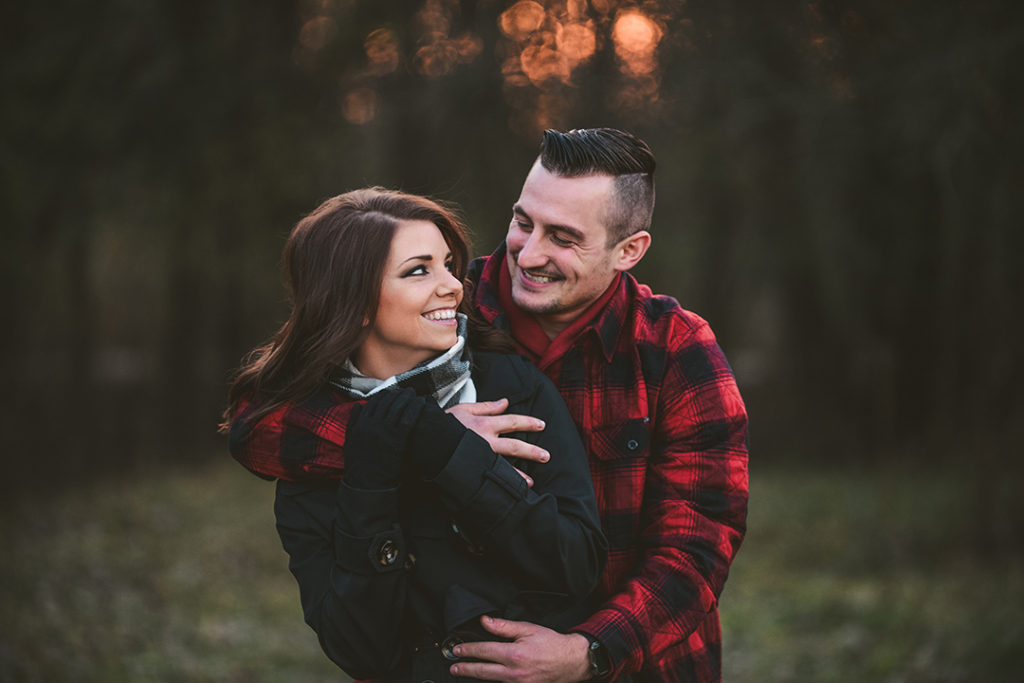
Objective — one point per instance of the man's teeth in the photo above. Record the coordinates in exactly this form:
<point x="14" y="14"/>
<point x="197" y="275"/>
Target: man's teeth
<point x="447" y="314"/>
<point x="539" y="279"/>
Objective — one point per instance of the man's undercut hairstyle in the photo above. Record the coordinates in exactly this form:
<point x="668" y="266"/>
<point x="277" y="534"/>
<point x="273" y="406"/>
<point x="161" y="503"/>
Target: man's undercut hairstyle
<point x="607" y="151"/>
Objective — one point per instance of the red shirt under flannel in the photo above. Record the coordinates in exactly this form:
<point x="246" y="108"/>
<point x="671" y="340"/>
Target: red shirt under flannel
<point x="666" y="431"/>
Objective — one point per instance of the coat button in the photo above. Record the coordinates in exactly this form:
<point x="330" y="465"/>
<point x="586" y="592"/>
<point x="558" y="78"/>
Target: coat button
<point x="387" y="553"/>
<point x="448" y="647"/>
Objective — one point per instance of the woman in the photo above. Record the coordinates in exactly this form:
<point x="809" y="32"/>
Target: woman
<point x="427" y="529"/>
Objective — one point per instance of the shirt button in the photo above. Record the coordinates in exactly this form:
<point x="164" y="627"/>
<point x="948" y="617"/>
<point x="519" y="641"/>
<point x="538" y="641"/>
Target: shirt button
<point x="387" y="553"/>
<point x="632" y="444"/>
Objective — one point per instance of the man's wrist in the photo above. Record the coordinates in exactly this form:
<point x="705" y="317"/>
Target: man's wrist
<point x="580" y="656"/>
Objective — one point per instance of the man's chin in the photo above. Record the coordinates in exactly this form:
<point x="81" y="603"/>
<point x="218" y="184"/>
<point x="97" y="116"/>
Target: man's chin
<point x="532" y="303"/>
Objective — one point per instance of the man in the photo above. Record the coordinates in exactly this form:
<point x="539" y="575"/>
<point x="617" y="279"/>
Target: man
<point x="657" y="406"/>
<point x="654" y="400"/>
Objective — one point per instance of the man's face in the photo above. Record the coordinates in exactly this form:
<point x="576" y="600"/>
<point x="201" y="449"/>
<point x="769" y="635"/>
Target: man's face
<point x="558" y="253"/>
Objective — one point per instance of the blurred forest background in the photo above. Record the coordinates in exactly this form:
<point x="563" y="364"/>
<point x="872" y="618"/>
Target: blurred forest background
<point x="839" y="194"/>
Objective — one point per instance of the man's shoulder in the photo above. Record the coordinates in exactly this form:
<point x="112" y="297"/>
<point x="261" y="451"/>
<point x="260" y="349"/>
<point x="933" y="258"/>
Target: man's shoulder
<point x="659" y="318"/>
<point x="476" y="268"/>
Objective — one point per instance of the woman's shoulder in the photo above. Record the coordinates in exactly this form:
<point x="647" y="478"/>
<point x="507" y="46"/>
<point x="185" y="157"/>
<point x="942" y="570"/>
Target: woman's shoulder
<point x="507" y="375"/>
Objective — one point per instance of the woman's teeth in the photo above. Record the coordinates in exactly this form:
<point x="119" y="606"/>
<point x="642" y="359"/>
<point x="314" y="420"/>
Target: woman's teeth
<point x="447" y="314"/>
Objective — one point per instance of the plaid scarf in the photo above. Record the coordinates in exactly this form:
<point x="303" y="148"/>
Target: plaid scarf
<point x="446" y="377"/>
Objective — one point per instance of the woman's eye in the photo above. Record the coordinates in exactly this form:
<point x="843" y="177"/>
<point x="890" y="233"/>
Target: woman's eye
<point x="416" y="270"/>
<point x="450" y="266"/>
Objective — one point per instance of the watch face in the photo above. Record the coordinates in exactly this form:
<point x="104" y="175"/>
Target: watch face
<point x="599" y="662"/>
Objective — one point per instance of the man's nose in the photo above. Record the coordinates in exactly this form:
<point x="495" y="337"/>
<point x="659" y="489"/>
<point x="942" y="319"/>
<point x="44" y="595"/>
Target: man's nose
<point x="532" y="255"/>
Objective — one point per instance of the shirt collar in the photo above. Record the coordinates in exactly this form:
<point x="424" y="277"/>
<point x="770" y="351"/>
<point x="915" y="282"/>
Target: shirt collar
<point x="604" y="318"/>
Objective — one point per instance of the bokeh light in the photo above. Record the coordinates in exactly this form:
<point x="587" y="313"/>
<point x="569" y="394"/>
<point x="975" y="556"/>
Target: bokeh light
<point x="382" y="51"/>
<point x="636" y="37"/>
<point x="522" y="19"/>
<point x="359" y="105"/>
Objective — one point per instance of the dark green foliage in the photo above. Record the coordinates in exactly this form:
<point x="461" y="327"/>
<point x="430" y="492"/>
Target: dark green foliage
<point x="838" y="196"/>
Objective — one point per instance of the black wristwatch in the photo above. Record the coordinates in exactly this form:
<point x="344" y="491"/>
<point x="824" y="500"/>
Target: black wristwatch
<point x="600" y="664"/>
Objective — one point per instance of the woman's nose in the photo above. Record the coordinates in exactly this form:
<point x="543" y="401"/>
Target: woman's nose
<point x="449" y="284"/>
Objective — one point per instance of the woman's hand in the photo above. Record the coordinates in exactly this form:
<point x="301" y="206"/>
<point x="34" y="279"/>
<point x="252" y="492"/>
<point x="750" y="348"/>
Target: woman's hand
<point x="378" y="438"/>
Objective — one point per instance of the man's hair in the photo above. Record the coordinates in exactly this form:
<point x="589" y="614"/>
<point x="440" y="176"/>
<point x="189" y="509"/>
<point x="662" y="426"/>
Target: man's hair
<point x="595" y="151"/>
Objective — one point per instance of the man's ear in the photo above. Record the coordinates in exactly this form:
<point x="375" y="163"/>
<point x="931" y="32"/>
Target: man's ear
<point x="630" y="250"/>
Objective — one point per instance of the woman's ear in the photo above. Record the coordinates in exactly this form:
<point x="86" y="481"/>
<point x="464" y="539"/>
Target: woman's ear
<point x="632" y="249"/>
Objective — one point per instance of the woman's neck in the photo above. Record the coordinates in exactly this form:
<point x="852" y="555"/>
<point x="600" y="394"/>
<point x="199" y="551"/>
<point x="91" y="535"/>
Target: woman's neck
<point x="382" y="366"/>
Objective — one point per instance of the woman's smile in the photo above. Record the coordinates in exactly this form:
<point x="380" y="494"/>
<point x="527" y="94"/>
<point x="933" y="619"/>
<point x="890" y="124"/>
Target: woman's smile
<point x="441" y="315"/>
<point x="419" y="297"/>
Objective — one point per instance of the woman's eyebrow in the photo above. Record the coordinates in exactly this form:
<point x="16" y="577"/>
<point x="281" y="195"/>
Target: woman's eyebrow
<point x="424" y="257"/>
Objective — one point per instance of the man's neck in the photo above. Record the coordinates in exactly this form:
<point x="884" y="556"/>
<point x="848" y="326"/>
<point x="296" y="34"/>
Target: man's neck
<point x="551" y="328"/>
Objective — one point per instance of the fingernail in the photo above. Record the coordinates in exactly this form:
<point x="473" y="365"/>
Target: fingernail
<point x="540" y="423"/>
<point x="455" y="669"/>
<point x="545" y="456"/>
<point x="458" y="651"/>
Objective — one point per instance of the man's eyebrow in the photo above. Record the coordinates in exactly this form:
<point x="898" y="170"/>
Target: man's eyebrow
<point x="574" y="233"/>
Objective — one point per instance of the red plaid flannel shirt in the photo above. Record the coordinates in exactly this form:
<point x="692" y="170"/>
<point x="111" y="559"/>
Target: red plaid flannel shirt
<point x="666" y="431"/>
<point x="665" y="428"/>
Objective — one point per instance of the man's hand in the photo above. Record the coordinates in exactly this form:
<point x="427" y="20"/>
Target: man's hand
<point x="535" y="654"/>
<point x="487" y="420"/>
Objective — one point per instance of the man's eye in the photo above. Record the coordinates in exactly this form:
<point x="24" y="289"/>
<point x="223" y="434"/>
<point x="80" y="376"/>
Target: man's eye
<point x="522" y="225"/>
<point x="561" y="241"/>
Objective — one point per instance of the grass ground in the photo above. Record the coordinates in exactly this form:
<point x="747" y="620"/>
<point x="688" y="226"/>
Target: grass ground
<point x="180" y="577"/>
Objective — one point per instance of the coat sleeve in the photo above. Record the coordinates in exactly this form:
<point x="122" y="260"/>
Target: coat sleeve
<point x="694" y="510"/>
<point x="347" y="553"/>
<point x="552" y="531"/>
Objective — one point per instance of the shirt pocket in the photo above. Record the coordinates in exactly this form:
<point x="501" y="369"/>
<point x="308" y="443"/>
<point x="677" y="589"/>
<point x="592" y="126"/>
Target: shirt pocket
<point x="621" y="443"/>
<point x="618" y="463"/>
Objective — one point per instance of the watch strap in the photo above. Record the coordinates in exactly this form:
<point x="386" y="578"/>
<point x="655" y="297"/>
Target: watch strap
<point x="600" y="664"/>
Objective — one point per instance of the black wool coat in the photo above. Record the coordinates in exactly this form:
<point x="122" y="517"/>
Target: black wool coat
<point x="391" y="580"/>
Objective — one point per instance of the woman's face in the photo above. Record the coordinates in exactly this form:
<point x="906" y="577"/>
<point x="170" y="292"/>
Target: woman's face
<point x="418" y="299"/>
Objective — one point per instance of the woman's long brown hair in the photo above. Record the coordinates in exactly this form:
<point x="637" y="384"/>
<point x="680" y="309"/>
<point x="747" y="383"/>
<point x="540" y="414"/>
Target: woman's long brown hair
<point x="333" y="265"/>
